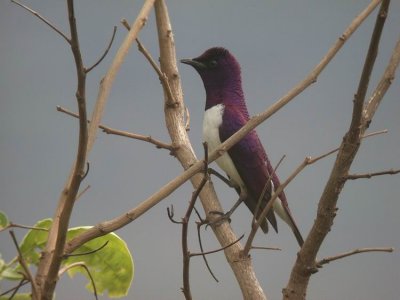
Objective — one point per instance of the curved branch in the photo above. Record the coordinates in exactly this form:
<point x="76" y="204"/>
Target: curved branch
<point x="44" y="20"/>
<point x="105" y="52"/>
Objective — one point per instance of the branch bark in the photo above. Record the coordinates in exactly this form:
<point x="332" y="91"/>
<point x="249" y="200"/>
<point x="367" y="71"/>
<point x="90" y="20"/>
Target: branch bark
<point x="46" y="276"/>
<point x="192" y="166"/>
<point x="305" y="264"/>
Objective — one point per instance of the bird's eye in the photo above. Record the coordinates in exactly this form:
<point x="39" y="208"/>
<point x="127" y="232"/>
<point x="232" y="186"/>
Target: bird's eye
<point x="213" y="63"/>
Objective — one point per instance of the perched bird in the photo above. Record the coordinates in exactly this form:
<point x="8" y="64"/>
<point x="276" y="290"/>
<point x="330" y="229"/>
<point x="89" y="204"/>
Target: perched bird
<point x="246" y="163"/>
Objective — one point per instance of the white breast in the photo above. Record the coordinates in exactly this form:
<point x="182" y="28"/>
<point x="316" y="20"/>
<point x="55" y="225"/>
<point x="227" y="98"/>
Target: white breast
<point x="211" y="123"/>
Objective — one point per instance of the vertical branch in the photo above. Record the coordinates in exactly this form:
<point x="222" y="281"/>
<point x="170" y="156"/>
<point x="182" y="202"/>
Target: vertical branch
<point x="108" y="79"/>
<point x="305" y="264"/>
<point x="174" y="115"/>
<point x="52" y="255"/>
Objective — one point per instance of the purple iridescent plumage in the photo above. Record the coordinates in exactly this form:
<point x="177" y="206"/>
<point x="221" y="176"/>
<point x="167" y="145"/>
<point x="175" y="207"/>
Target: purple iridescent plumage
<point x="246" y="163"/>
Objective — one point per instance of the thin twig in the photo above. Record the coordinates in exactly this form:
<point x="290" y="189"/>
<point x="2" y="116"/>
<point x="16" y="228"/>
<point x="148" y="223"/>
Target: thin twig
<point x="108" y="79"/>
<point x="199" y="224"/>
<point x="109" y="130"/>
<point x="171" y="214"/>
<point x="80" y="194"/>
<point x="83" y="265"/>
<point x="192" y="169"/>
<point x="187" y="118"/>
<point x="163" y="78"/>
<point x="304" y="266"/>
<point x="44" y="20"/>
<point x="15" y="289"/>
<point x="329" y="259"/>
<point x="185" y="226"/>
<point x="86" y="253"/>
<point x="27" y="272"/>
<point x="266" y="248"/>
<point x="370" y="175"/>
<point x="87" y="70"/>
<point x="218" y="250"/>
<point x="50" y="262"/>
<point x="14" y="225"/>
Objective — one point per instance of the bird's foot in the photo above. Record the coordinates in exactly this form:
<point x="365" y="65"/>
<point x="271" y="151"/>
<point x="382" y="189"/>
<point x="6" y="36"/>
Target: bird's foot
<point x="222" y="217"/>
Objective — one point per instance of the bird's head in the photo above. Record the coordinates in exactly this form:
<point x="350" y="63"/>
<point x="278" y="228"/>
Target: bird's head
<point x="220" y="73"/>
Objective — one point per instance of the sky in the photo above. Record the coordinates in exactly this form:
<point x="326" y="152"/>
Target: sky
<point x="277" y="43"/>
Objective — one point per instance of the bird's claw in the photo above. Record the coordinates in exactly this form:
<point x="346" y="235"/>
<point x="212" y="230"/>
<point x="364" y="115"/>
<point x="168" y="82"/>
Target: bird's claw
<point x="222" y="217"/>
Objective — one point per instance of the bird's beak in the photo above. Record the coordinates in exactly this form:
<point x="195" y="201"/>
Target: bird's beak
<point x="194" y="63"/>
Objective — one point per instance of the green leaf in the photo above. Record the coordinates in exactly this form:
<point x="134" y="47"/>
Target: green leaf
<point x="34" y="242"/>
<point x="4" y="222"/>
<point x="111" y="267"/>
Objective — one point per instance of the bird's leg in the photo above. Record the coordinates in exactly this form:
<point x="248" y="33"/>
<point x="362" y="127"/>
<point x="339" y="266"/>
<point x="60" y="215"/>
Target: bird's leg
<point x="227" y="215"/>
<point x="228" y="182"/>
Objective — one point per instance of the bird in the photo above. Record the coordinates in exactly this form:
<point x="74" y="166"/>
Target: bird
<point x="246" y="163"/>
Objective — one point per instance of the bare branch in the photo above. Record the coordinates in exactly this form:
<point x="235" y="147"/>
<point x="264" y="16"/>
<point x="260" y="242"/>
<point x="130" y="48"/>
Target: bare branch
<point x="83" y="265"/>
<point x="171" y="214"/>
<point x="383" y="85"/>
<point x="185" y="227"/>
<point x="109" y="130"/>
<point x="108" y="79"/>
<point x="82" y="192"/>
<point x="305" y="262"/>
<point x="199" y="224"/>
<point x="220" y="249"/>
<point x="87" y="253"/>
<point x="266" y="248"/>
<point x="105" y="52"/>
<point x="327" y="260"/>
<point x="14" y="225"/>
<point x="15" y="289"/>
<point x="50" y="262"/>
<point x="44" y="20"/>
<point x="370" y="175"/>
<point x="192" y="166"/>
<point x="27" y="272"/>
<point x="187" y="117"/>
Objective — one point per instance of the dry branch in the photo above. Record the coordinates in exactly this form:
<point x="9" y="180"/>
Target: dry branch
<point x="109" y="130"/>
<point x="108" y="79"/>
<point x="305" y="263"/>
<point x="370" y="175"/>
<point x="52" y="254"/>
<point x="329" y="259"/>
<point x="192" y="166"/>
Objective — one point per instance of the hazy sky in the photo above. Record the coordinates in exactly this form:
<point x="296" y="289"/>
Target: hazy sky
<point x="277" y="43"/>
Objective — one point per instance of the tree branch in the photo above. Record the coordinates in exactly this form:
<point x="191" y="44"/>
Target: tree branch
<point x="192" y="166"/>
<point x="327" y="260"/>
<point x="50" y="262"/>
<point x="109" y="130"/>
<point x="44" y="20"/>
<point x="27" y="272"/>
<point x="108" y="79"/>
<point x="105" y="52"/>
<point x="370" y="175"/>
<point x="305" y="263"/>
<point x="83" y="265"/>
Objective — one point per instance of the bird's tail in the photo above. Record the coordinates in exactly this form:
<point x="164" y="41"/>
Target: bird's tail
<point x="282" y="209"/>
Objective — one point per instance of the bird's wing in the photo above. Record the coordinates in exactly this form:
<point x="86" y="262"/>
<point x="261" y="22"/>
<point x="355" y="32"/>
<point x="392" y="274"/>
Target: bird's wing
<point x="250" y="160"/>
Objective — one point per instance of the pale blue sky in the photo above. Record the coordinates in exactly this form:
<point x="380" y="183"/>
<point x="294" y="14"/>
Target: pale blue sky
<point x="277" y="43"/>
